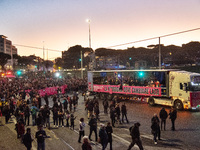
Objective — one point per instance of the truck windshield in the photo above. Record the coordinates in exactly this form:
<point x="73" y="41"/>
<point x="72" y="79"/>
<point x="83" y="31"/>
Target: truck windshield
<point x="194" y="86"/>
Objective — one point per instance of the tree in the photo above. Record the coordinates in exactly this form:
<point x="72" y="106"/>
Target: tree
<point x="48" y="64"/>
<point x="3" y="59"/>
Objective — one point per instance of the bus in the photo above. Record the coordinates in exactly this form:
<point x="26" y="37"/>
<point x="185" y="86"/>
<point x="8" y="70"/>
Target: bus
<point x="170" y="87"/>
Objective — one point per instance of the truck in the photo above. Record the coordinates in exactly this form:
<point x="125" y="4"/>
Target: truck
<point x="169" y="87"/>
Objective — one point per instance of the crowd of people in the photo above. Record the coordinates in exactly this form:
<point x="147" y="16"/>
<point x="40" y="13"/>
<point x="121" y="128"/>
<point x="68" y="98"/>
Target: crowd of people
<point x="16" y="101"/>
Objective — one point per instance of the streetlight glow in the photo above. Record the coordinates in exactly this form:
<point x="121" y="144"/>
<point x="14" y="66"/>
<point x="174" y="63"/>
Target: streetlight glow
<point x="88" y="20"/>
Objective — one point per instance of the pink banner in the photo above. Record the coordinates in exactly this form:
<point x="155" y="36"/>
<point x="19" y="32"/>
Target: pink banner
<point x="50" y="90"/>
<point x="135" y="90"/>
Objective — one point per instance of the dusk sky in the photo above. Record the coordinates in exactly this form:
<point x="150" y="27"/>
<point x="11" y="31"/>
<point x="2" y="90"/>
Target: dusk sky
<point x="62" y="23"/>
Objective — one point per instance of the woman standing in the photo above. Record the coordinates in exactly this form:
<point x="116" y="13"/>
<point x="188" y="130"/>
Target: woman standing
<point x="81" y="129"/>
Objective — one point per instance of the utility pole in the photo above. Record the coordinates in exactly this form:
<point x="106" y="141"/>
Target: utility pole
<point x="43" y="51"/>
<point x="159" y="47"/>
<point x="81" y="65"/>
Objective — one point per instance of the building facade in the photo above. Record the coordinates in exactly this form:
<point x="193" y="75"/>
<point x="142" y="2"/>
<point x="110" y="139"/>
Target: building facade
<point x="6" y="46"/>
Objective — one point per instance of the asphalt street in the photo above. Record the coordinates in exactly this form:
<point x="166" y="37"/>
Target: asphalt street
<point x="185" y="137"/>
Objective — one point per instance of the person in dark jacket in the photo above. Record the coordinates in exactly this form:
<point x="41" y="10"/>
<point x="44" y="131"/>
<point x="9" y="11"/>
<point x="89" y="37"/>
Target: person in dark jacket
<point x="109" y="131"/>
<point x="163" y="116"/>
<point x="112" y="116"/>
<point x="40" y="135"/>
<point x="27" y="140"/>
<point x="156" y="127"/>
<point x="86" y="145"/>
<point x="124" y="113"/>
<point x="27" y="115"/>
<point x="55" y="116"/>
<point x="46" y="99"/>
<point x="105" y="106"/>
<point x="173" y="116"/>
<point x="135" y="134"/>
<point x="117" y="110"/>
<point x="155" y="130"/>
<point x="103" y="136"/>
<point x="93" y="127"/>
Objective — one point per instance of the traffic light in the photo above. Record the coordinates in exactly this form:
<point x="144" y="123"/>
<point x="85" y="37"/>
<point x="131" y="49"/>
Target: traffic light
<point x="141" y="74"/>
<point x="19" y="73"/>
<point x="79" y="59"/>
<point x="130" y="58"/>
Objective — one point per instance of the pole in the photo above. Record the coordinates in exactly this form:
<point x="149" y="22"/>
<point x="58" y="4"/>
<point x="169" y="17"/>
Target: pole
<point x="89" y="35"/>
<point x="11" y="54"/>
<point x="47" y="53"/>
<point x="159" y="54"/>
<point x="43" y="51"/>
<point x="81" y="65"/>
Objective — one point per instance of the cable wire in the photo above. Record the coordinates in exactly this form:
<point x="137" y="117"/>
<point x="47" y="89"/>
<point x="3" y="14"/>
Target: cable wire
<point x="36" y="47"/>
<point x="155" y="37"/>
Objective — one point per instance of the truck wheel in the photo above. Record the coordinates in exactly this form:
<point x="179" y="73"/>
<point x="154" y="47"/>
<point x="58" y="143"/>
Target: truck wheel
<point x="151" y="101"/>
<point x="178" y="105"/>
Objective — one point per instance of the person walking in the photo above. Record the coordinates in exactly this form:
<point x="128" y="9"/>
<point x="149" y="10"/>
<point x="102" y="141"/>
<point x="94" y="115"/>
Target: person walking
<point x="117" y="110"/>
<point x="93" y="127"/>
<point x="112" y="116"/>
<point x="135" y="134"/>
<point x="27" y="140"/>
<point x="96" y="111"/>
<point x="109" y="131"/>
<point x="40" y="135"/>
<point x="163" y="116"/>
<point x="155" y="128"/>
<point x="103" y="136"/>
<point x="124" y="113"/>
<point x="173" y="116"/>
<point x="105" y="106"/>
<point x="81" y="129"/>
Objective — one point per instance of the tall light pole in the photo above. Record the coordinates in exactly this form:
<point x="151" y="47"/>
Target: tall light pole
<point x="43" y="51"/>
<point x="159" y="47"/>
<point x="88" y="21"/>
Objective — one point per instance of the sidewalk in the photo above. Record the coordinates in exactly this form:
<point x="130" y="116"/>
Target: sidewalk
<point x="8" y="139"/>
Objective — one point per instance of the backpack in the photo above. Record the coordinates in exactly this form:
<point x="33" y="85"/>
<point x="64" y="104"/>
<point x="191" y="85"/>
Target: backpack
<point x="33" y="111"/>
<point x="130" y="130"/>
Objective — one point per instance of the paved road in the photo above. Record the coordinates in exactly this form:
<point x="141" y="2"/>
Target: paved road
<point x="186" y="136"/>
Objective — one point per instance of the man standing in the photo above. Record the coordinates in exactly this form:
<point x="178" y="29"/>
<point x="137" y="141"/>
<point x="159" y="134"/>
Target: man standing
<point x="93" y="127"/>
<point x="135" y="133"/>
<point x="173" y="116"/>
<point x="124" y="113"/>
<point x="27" y="114"/>
<point x="40" y="135"/>
<point x="105" y="106"/>
<point x="109" y="131"/>
<point x="103" y="137"/>
<point x="163" y="116"/>
<point x="27" y="140"/>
